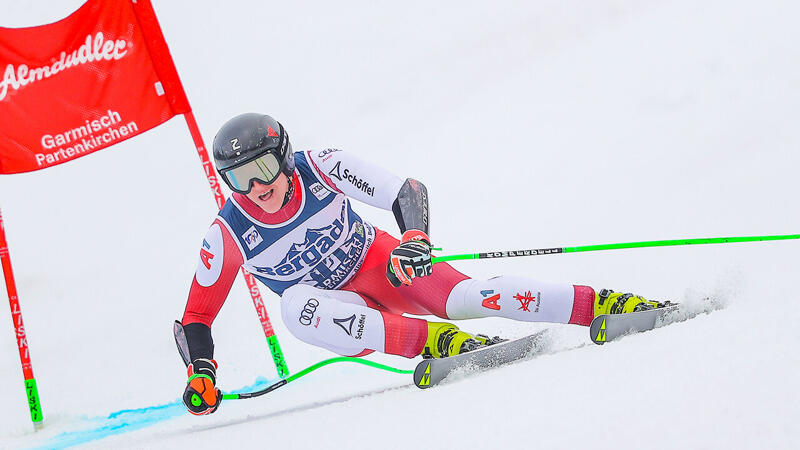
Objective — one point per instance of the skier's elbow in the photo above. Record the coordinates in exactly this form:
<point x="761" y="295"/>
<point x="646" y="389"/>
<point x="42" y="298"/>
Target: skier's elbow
<point x="410" y="208"/>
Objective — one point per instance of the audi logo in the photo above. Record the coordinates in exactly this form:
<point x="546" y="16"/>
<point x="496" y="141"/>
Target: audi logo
<point x="308" y="311"/>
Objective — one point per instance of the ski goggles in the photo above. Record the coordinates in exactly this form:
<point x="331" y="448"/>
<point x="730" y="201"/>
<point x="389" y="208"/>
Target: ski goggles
<point x="264" y="169"/>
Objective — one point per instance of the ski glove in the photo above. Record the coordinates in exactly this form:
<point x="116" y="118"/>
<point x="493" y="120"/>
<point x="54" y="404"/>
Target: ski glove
<point x="410" y="259"/>
<point x="201" y="395"/>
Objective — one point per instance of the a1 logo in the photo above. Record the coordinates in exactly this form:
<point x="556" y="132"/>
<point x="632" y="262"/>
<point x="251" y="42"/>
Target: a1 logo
<point x="490" y="300"/>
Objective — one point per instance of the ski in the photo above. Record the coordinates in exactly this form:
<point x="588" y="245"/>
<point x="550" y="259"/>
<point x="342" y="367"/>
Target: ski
<point x="431" y="372"/>
<point x="607" y="327"/>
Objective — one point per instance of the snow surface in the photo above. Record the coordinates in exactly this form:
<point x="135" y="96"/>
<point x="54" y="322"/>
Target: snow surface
<point x="533" y="124"/>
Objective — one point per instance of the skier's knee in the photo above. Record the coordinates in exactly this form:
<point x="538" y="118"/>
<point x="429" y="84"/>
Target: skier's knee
<point x="298" y="307"/>
<point x="345" y="329"/>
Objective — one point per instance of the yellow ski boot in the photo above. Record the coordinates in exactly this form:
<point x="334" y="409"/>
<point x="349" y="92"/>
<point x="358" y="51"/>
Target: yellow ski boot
<point x="445" y="339"/>
<point x="607" y="301"/>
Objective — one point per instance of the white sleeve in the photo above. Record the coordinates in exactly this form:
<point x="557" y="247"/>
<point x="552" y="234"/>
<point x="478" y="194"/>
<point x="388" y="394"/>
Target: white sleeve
<point x="344" y="172"/>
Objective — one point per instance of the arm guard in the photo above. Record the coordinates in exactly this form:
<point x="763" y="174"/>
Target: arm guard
<point x="411" y="207"/>
<point x="194" y="341"/>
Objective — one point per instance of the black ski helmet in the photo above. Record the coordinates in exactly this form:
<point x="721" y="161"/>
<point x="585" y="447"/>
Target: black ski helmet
<point x="247" y="137"/>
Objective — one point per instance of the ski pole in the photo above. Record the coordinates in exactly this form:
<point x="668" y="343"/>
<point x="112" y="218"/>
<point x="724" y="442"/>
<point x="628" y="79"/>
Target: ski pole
<point x="591" y="248"/>
<point x="307" y="370"/>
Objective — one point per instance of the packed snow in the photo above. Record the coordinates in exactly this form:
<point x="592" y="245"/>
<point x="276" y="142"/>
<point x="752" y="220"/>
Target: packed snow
<point x="534" y="124"/>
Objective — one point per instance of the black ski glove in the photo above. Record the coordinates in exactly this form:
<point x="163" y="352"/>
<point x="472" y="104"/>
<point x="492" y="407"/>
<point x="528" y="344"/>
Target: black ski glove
<point x="410" y="259"/>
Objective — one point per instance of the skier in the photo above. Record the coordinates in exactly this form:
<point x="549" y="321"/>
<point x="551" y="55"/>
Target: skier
<point x="345" y="284"/>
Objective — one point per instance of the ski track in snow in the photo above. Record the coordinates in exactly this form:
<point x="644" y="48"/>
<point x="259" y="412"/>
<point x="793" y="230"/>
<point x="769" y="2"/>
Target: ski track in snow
<point x="537" y="124"/>
<point x="86" y="430"/>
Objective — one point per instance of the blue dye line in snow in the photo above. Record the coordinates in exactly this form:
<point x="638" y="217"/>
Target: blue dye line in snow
<point x="129" y="420"/>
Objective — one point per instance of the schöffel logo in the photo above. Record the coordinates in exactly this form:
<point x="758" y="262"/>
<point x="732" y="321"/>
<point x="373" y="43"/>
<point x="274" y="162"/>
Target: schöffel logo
<point x="252" y="238"/>
<point x="308" y="311"/>
<point x="349" y="328"/>
<point x="349" y="321"/>
<point x="345" y="174"/>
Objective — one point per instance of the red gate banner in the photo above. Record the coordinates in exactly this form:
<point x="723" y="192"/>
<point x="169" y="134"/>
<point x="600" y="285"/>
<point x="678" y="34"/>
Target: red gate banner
<point x="83" y="83"/>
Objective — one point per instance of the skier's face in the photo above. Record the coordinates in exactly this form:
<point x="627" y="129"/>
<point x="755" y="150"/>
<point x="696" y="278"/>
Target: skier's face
<point x="269" y="196"/>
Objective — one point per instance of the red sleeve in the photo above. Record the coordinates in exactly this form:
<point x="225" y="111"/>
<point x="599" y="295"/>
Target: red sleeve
<point x="220" y="260"/>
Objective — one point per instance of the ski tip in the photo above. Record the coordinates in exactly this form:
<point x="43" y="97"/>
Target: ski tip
<point x="422" y="374"/>
<point x="597" y="330"/>
<point x="608" y="327"/>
